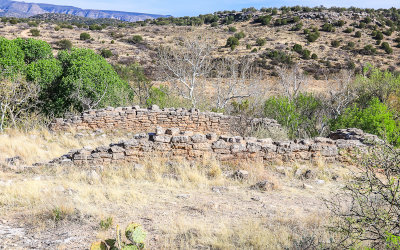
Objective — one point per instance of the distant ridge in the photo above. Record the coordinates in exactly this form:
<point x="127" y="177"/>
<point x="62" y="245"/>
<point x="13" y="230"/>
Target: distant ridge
<point x="22" y="10"/>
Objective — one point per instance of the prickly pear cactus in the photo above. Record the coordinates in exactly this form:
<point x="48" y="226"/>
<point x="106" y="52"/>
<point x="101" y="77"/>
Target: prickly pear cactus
<point x="130" y="247"/>
<point x="99" y="245"/>
<point x="135" y="233"/>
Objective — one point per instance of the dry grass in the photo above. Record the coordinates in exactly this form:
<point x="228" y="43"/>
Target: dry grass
<point x="183" y="204"/>
<point x="42" y="145"/>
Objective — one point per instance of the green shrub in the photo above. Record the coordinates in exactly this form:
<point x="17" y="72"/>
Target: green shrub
<point x="297" y="27"/>
<point x="278" y="56"/>
<point x="264" y="20"/>
<point x="378" y="35"/>
<point x="306" y="54"/>
<point x="348" y="30"/>
<point x="214" y="24"/>
<point x="84" y="36"/>
<point x="312" y="36"/>
<point x="161" y="97"/>
<point x="64" y="44"/>
<point x="88" y="72"/>
<point x="350" y="45"/>
<point x="57" y="28"/>
<point x="106" y="53"/>
<point x="298" y="48"/>
<point x="136" y="39"/>
<point x="386" y="47"/>
<point x="340" y="23"/>
<point x="106" y="223"/>
<point x="34" y="49"/>
<point x="95" y="27"/>
<point x="33" y="24"/>
<point x="368" y="50"/>
<point x="232" y="29"/>
<point x="314" y="56"/>
<point x="240" y="35"/>
<point x="13" y="21"/>
<point x="261" y="42"/>
<point x="328" y="27"/>
<point x="335" y="43"/>
<point x="11" y="57"/>
<point x="44" y="72"/>
<point x="232" y="42"/>
<point x="35" y="32"/>
<point x="376" y="119"/>
<point x="299" y="116"/>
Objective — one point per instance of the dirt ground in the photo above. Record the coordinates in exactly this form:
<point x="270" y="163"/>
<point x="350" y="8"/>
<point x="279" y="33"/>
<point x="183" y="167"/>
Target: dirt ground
<point x="181" y="204"/>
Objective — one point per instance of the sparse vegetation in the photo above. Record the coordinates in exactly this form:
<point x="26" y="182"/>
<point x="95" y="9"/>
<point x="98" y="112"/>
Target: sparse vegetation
<point x="251" y="64"/>
<point x="84" y="36"/>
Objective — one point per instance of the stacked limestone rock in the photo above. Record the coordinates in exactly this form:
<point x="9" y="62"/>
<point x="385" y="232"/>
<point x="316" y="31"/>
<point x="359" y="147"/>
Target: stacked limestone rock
<point x="171" y="143"/>
<point x="137" y="119"/>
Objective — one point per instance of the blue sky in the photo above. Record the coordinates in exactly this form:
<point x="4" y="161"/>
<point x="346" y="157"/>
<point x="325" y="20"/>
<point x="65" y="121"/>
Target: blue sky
<point x="196" y="7"/>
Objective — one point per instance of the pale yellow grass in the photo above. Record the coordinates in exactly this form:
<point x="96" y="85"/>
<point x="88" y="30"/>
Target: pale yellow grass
<point x="43" y="145"/>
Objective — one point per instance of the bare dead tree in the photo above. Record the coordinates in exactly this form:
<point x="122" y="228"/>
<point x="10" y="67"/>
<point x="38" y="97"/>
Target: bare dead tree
<point x="186" y="66"/>
<point x="235" y="80"/>
<point x="341" y="93"/>
<point x="292" y="80"/>
<point x="16" y="97"/>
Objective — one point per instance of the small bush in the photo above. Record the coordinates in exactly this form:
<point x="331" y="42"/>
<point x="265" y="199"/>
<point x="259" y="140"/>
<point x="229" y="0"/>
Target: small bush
<point x="348" y="30"/>
<point x="33" y="24"/>
<point x="350" y="45"/>
<point x="95" y="27"/>
<point x="278" y="56"/>
<point x="299" y="116"/>
<point x="298" y="48"/>
<point x="375" y="119"/>
<point x="328" y="27"/>
<point x="214" y="24"/>
<point x="340" y="23"/>
<point x="368" y="50"/>
<point x="65" y="44"/>
<point x="240" y="35"/>
<point x="84" y="36"/>
<point x="106" y="53"/>
<point x="106" y="223"/>
<point x="378" y="35"/>
<point x="136" y="39"/>
<point x="264" y="20"/>
<point x="232" y="29"/>
<point x="312" y="36"/>
<point x="57" y="28"/>
<point x="260" y="41"/>
<point x="306" y="54"/>
<point x="314" y="56"/>
<point x="335" y="43"/>
<point x="297" y="27"/>
<point x="232" y="42"/>
<point x="386" y="47"/>
<point x="35" y="32"/>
